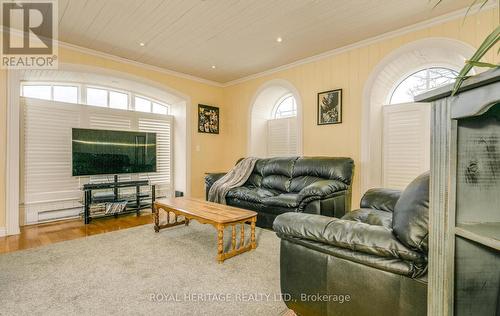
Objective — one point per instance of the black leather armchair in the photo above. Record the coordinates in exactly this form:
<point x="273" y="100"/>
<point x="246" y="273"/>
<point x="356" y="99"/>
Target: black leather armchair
<point x="377" y="255"/>
<point x="314" y="185"/>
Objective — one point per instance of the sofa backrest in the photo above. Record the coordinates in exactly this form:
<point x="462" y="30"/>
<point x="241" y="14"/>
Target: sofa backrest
<point x="410" y="219"/>
<point x="272" y="173"/>
<point x="292" y="174"/>
<point x="308" y="170"/>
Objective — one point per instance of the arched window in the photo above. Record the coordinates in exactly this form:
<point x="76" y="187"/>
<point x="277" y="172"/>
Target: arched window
<point x="274" y="126"/>
<point x="420" y="82"/>
<point x="93" y="95"/>
<point x="282" y="128"/>
<point x="285" y="107"/>
<point x="406" y="127"/>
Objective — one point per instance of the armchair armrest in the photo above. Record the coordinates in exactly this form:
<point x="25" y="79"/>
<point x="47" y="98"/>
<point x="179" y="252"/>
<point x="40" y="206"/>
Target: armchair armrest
<point x="210" y="180"/>
<point x="354" y="236"/>
<point x="322" y="189"/>
<point x="380" y="199"/>
<point x="212" y="177"/>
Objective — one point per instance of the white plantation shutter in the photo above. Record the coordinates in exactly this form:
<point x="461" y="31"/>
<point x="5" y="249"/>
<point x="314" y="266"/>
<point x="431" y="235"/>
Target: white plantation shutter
<point x="47" y="153"/>
<point x="46" y="171"/>
<point x="49" y="189"/>
<point x="406" y="143"/>
<point x="282" y="137"/>
<point x="110" y="122"/>
<point x="163" y="129"/>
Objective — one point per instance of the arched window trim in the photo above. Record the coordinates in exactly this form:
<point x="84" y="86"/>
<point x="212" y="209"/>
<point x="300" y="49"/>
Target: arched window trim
<point x="409" y="73"/>
<point x="279" y="102"/>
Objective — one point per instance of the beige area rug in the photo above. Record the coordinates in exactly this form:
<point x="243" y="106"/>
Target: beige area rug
<point x="139" y="272"/>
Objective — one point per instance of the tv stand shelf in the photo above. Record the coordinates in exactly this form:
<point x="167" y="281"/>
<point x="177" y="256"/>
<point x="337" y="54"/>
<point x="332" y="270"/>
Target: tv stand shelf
<point x="135" y="202"/>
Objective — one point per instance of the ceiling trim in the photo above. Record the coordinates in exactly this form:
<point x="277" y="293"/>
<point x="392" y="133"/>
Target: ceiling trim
<point x="407" y="29"/>
<point x="97" y="53"/>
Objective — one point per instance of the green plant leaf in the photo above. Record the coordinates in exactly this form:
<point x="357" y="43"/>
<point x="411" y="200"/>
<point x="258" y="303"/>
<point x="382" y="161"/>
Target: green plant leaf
<point x="485" y="46"/>
<point x="437" y="3"/>
<point x="473" y="3"/>
<point x="481" y="64"/>
<point x="483" y="4"/>
<point x="470" y="8"/>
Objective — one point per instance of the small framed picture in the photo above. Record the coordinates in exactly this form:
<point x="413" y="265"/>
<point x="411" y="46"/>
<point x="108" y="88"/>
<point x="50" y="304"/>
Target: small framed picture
<point x="208" y="119"/>
<point x="330" y="107"/>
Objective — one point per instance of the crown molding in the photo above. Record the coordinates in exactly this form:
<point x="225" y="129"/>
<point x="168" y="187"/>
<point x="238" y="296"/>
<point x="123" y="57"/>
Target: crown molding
<point x="404" y="30"/>
<point x="97" y="53"/>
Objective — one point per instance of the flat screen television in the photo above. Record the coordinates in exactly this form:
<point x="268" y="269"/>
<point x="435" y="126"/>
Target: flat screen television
<point x="99" y="152"/>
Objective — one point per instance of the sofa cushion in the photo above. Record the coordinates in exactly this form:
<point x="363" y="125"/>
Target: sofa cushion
<point x="332" y="168"/>
<point x="278" y="166"/>
<point x="410" y="221"/>
<point x="356" y="236"/>
<point x="254" y="180"/>
<point x="380" y="199"/>
<point x="323" y="188"/>
<point x="276" y="182"/>
<point x="300" y="182"/>
<point x="277" y="172"/>
<point x="250" y="194"/>
<point x="289" y="200"/>
<point x="370" y="216"/>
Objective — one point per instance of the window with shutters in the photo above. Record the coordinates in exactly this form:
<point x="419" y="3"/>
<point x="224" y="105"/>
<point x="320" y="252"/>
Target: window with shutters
<point x="49" y="190"/>
<point x="406" y="127"/>
<point x="282" y="128"/>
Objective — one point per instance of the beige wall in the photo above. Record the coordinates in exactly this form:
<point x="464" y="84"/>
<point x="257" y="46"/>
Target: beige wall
<point x="348" y="70"/>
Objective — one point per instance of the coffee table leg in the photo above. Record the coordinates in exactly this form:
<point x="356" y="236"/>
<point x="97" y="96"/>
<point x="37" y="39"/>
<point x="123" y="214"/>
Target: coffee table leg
<point x="156" y="216"/>
<point x="242" y="237"/>
<point x="252" y="234"/>
<point x="220" y="243"/>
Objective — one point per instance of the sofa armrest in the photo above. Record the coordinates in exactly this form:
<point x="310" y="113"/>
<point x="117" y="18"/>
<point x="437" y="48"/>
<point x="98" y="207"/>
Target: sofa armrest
<point x="354" y="236"/>
<point x="380" y="199"/>
<point x="210" y="179"/>
<point x="322" y="189"/>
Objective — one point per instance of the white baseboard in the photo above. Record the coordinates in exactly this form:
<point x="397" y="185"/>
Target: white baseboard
<point x="3" y="231"/>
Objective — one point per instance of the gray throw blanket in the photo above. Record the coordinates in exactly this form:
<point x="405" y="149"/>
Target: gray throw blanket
<point x="236" y="177"/>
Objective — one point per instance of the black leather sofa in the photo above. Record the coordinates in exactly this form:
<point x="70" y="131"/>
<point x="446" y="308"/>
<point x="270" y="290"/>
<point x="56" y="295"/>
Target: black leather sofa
<point x="377" y="255"/>
<point x="315" y="185"/>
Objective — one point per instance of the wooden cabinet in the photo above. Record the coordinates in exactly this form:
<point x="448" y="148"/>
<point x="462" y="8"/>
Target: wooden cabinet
<point x="464" y="228"/>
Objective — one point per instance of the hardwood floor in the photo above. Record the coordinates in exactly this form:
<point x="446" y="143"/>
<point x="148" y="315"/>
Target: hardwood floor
<point x="43" y="234"/>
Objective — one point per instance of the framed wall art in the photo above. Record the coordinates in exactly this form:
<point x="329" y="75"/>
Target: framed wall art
<point x="330" y="107"/>
<point x="208" y="119"/>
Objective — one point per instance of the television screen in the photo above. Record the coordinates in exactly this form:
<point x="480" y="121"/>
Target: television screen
<point x="112" y="152"/>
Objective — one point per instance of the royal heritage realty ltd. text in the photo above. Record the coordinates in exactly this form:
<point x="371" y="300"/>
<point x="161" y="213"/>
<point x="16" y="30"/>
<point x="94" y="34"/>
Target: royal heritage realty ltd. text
<point x="162" y="297"/>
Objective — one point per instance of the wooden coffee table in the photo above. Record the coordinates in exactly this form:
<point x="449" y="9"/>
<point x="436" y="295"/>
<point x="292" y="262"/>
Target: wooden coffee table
<point x="218" y="215"/>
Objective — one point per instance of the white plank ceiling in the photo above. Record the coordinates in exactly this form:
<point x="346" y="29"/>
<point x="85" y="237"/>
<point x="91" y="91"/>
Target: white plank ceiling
<point x="238" y="37"/>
